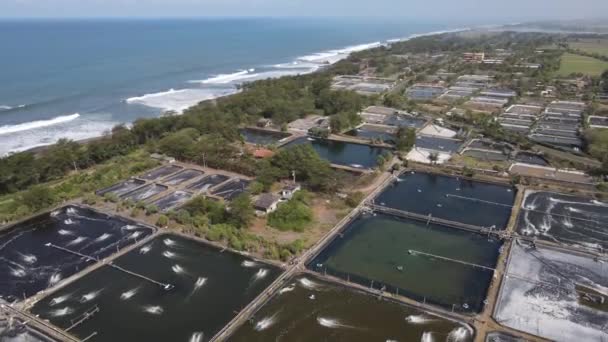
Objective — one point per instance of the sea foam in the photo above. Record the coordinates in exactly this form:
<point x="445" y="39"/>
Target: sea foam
<point x="26" y="126"/>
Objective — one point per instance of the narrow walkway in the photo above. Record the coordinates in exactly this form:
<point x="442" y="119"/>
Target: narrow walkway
<point x="88" y="257"/>
<point x="415" y="252"/>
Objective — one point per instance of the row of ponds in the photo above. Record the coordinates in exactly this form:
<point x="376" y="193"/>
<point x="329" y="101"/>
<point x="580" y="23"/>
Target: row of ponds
<point x="441" y="266"/>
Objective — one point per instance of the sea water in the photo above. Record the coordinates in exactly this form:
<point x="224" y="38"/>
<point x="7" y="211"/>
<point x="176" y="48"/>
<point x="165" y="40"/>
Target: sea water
<point x="79" y="78"/>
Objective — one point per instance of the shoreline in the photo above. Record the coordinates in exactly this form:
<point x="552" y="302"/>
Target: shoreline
<point x="324" y="59"/>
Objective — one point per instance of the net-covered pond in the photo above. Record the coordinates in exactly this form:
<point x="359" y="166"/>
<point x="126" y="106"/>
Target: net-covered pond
<point x="29" y="265"/>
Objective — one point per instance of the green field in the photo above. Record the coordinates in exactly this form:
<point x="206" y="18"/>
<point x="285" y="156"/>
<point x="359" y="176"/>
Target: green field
<point x="599" y="46"/>
<point x="572" y="63"/>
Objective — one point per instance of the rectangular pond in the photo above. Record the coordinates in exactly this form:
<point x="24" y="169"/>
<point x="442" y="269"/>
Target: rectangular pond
<point x="309" y="309"/>
<point x="438" y="144"/>
<point x="404" y="121"/>
<point x="451" y="198"/>
<point x="172" y="200"/>
<point x="490" y="156"/>
<point x="144" y="192"/>
<point x="122" y="188"/>
<point x="564" y="219"/>
<point x="232" y="189"/>
<point x="531" y="158"/>
<point x="209" y="288"/>
<point x="344" y="153"/>
<point x="29" y="266"/>
<point x="370" y="132"/>
<point x="554" y="295"/>
<point x="206" y="183"/>
<point x="263" y="137"/>
<point x="160" y="172"/>
<point x="182" y="177"/>
<point x="374" y="250"/>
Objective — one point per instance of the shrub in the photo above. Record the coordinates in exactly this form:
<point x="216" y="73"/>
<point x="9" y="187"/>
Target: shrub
<point x="162" y="221"/>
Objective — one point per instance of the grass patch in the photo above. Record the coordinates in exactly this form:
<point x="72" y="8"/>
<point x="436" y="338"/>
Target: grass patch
<point x="572" y="63"/>
<point x="599" y="46"/>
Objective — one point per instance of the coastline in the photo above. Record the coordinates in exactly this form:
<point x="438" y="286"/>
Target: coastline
<point x="314" y="62"/>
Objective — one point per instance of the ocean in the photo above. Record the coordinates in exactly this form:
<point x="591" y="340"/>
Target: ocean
<point x="77" y="79"/>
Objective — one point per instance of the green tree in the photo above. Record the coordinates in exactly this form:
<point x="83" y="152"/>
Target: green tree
<point x="38" y="197"/>
<point x="241" y="210"/>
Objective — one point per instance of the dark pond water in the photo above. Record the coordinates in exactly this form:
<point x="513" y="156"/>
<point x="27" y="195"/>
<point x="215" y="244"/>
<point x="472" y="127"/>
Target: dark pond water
<point x="232" y="189"/>
<point x="486" y="155"/>
<point x="160" y="172"/>
<point x="144" y="192"/>
<point x="451" y="198"/>
<point x="122" y="187"/>
<point x="262" y="137"/>
<point x="405" y="121"/>
<point x="210" y="286"/>
<point x="28" y="266"/>
<point x="340" y="314"/>
<point x="182" y="177"/>
<point x="438" y="144"/>
<point x="565" y="219"/>
<point x="344" y="153"/>
<point x="172" y="200"/>
<point x="374" y="251"/>
<point x="373" y="133"/>
<point x="207" y="182"/>
<point x="531" y="158"/>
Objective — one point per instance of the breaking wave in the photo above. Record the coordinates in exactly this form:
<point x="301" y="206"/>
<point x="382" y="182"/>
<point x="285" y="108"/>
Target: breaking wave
<point x="179" y="100"/>
<point x="228" y="78"/>
<point x="37" y="124"/>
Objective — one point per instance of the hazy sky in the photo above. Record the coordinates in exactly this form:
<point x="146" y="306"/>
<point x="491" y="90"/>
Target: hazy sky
<point x="422" y="9"/>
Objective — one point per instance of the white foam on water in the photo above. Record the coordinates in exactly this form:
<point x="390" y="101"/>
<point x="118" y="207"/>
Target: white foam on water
<point x="60" y="299"/>
<point x="178" y="269"/>
<point x="196" y="337"/>
<point x="28" y="258"/>
<point x="62" y="312"/>
<point x="134" y="235"/>
<point x="18" y="272"/>
<point x="54" y="213"/>
<point x="249" y="263"/>
<point x="426" y="337"/>
<point x="169" y="242"/>
<point x="72" y="211"/>
<point x="89" y="296"/>
<point x="129" y="227"/>
<point x="69" y="222"/>
<point x="200" y="282"/>
<point x="333" y="56"/>
<point x="129" y="294"/>
<point x="261" y="273"/>
<point x="179" y="100"/>
<point x="77" y="240"/>
<point x="419" y="319"/>
<point x="65" y="232"/>
<point x="265" y="323"/>
<point x="287" y="289"/>
<point x="4" y="107"/>
<point x="6" y="129"/>
<point x="332" y="323"/>
<point x="54" y="279"/>
<point x="227" y="78"/>
<point x="155" y="310"/>
<point x="170" y="255"/>
<point x="459" y="334"/>
<point x="103" y="237"/>
<point x="309" y="284"/>
<point x="145" y="249"/>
